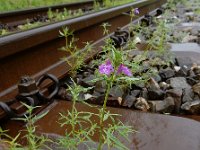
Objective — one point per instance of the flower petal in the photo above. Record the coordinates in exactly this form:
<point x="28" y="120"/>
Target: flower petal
<point x="136" y="11"/>
<point x="123" y="69"/>
<point x="106" y="68"/>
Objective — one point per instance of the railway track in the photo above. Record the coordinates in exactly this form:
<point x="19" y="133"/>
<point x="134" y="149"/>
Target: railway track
<point x="40" y="51"/>
<point x="37" y="43"/>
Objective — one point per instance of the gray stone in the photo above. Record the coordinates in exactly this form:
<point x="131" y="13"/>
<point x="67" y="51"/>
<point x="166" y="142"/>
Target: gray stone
<point x="157" y="62"/>
<point x="144" y="93"/>
<point x="191" y="81"/>
<point x="196" y="70"/>
<point x="192" y="107"/>
<point x="129" y="101"/>
<point x="96" y="94"/>
<point x="152" y="84"/>
<point x="185" y="47"/>
<point x="88" y="80"/>
<point x="177" y="68"/>
<point x="116" y="91"/>
<point x="135" y="93"/>
<point x="141" y="104"/>
<point x="100" y="86"/>
<point x="191" y="73"/>
<point x="156" y="77"/>
<point x="156" y="94"/>
<point x="178" y="82"/>
<point x="164" y="85"/>
<point x="196" y="97"/>
<point x="140" y="85"/>
<point x="196" y="88"/>
<point x="184" y="61"/>
<point x="188" y="95"/>
<point x="176" y="94"/>
<point x="197" y="77"/>
<point x="166" y="73"/>
<point x="183" y="72"/>
<point x="190" y="38"/>
<point x="164" y="106"/>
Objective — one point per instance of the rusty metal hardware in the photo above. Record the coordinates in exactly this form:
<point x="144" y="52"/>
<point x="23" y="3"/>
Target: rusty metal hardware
<point x="30" y="94"/>
<point x="120" y="37"/>
<point x="28" y="87"/>
<point x="10" y="112"/>
<point x="159" y="12"/>
<point x="147" y="20"/>
<point x="56" y="86"/>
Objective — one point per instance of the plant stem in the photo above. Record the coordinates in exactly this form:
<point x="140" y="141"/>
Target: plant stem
<point x="73" y="116"/>
<point x="101" y="124"/>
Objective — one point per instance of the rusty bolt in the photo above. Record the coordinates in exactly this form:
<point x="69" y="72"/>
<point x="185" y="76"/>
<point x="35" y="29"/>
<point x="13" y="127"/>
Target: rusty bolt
<point x="27" y="86"/>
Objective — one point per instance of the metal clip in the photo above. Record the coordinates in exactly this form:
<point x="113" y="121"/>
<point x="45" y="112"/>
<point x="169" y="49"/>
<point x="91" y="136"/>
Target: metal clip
<point x="146" y="21"/>
<point x="120" y="37"/>
<point x="159" y="12"/>
<point x="28" y="87"/>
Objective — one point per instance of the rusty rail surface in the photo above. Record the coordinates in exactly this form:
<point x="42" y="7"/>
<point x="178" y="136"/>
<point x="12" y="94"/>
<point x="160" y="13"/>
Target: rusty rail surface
<point x="38" y="47"/>
<point x="19" y="16"/>
<point x="155" y="131"/>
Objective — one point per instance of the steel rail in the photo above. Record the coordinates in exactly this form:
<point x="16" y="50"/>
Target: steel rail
<point x="18" y="16"/>
<point x="154" y="131"/>
<point x="38" y="47"/>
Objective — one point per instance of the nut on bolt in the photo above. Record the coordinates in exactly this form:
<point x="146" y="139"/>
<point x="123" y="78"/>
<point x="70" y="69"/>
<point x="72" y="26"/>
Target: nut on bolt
<point x="27" y="86"/>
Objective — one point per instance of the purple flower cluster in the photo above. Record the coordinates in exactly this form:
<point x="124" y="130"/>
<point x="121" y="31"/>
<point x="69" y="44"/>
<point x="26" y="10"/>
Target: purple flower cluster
<point x="107" y="69"/>
<point x="136" y="11"/>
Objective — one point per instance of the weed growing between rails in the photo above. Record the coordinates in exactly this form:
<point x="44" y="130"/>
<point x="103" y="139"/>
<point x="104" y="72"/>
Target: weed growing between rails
<point x="110" y="74"/>
<point x="71" y="48"/>
<point x="112" y="71"/>
<point x="33" y="141"/>
<point x="80" y="127"/>
<point x="51" y="17"/>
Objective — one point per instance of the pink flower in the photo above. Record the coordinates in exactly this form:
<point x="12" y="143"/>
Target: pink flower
<point x="136" y="11"/>
<point x="106" y="68"/>
<point x="123" y="69"/>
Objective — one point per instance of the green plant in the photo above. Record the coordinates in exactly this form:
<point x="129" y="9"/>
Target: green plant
<point x="29" y="25"/>
<point x="158" y="40"/>
<point x="3" y="32"/>
<point x="9" y="141"/>
<point x="111" y="72"/>
<point x="33" y="141"/>
<point x="77" y="55"/>
<point x="79" y="125"/>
